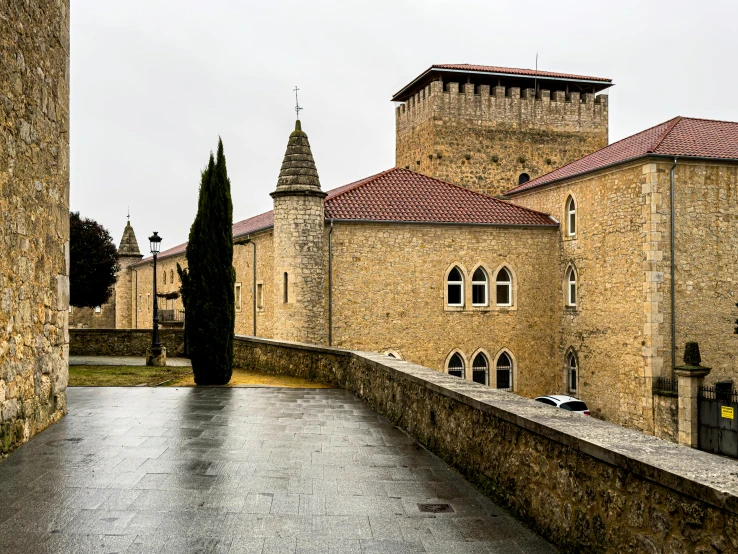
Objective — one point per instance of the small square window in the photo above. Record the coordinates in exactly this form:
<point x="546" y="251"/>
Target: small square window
<point x="98" y="309"/>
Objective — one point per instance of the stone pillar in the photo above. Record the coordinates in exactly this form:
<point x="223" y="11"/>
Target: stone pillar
<point x="690" y="376"/>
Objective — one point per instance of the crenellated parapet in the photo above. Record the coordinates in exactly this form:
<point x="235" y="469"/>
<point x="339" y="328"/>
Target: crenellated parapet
<point x="490" y="130"/>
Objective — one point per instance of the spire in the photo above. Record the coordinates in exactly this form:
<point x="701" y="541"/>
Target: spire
<point x="298" y="173"/>
<point x="128" y="244"/>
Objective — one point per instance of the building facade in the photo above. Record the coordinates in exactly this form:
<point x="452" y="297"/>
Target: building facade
<point x="562" y="286"/>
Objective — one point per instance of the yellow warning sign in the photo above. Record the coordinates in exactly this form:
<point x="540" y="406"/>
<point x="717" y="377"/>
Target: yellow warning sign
<point x="727" y="412"/>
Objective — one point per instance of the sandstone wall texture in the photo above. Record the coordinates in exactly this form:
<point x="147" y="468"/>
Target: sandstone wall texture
<point x="615" y="333"/>
<point x="666" y="417"/>
<point x="299" y="265"/>
<point x="88" y="317"/>
<point x="706" y="261"/>
<point x="586" y="485"/>
<point x="122" y="342"/>
<point x="622" y="328"/>
<point x="389" y="286"/>
<point x="484" y="138"/>
<point x="34" y="206"/>
<point x="243" y="261"/>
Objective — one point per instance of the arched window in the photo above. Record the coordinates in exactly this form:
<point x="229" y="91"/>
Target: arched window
<point x="455" y="288"/>
<point x="171" y="276"/>
<point x="571" y="217"/>
<point x="456" y="365"/>
<point x="571" y="371"/>
<point x="480" y="296"/>
<point x="504" y="372"/>
<point x="503" y="285"/>
<point x="571" y="286"/>
<point x="523" y="178"/>
<point x="165" y="277"/>
<point x="480" y="369"/>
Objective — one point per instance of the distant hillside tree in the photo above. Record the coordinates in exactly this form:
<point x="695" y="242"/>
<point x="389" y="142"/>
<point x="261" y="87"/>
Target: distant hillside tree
<point x="208" y="282"/>
<point x="93" y="262"/>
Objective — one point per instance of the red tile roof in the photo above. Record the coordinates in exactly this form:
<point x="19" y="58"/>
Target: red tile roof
<point x="681" y="136"/>
<point x="401" y="195"/>
<point x="516" y="71"/>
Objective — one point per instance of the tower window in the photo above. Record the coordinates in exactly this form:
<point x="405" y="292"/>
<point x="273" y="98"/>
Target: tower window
<point x="456" y="366"/>
<point x="285" y="297"/>
<point x="571" y="286"/>
<point x="165" y="277"/>
<point x="480" y="369"/>
<point x="504" y="372"/>
<point x="523" y="178"/>
<point x="503" y="285"/>
<point x="455" y="288"/>
<point x="237" y="296"/>
<point x="259" y="296"/>
<point x="479" y="288"/>
<point x="571" y="372"/>
<point x="571" y="217"/>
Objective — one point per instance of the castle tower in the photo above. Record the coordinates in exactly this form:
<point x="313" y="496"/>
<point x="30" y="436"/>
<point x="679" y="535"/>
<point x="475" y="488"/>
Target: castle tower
<point x="299" y="261"/>
<point x="128" y="254"/>
<point x="491" y="128"/>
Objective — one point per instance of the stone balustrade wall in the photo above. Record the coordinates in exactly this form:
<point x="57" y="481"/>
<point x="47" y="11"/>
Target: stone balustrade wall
<point x="122" y="342"/>
<point x="585" y="484"/>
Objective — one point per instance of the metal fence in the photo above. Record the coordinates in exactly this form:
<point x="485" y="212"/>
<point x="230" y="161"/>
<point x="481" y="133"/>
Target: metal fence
<point x="166" y="316"/>
<point x="665" y="386"/>
<point x="725" y="394"/>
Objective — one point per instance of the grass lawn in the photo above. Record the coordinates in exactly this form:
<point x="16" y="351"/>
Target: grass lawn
<point x="132" y="376"/>
<point x="122" y="375"/>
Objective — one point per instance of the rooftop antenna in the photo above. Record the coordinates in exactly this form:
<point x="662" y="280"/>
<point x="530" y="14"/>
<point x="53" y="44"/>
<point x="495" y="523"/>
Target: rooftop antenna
<point x="297" y="103"/>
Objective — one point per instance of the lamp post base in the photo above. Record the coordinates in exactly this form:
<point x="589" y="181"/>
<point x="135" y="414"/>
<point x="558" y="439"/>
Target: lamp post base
<point x="156" y="356"/>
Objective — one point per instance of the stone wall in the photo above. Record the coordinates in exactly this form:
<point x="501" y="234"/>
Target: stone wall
<point x="389" y="295"/>
<point x="483" y="138"/>
<point x="666" y="417"/>
<point x="617" y="328"/>
<point x="243" y="261"/>
<point x="90" y="318"/>
<point x="122" y="342"/>
<point x="586" y="485"/>
<point x="142" y="285"/>
<point x="706" y="256"/>
<point x="34" y="179"/>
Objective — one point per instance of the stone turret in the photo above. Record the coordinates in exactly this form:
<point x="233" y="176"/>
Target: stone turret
<point x="128" y="254"/>
<point x="299" y="261"/>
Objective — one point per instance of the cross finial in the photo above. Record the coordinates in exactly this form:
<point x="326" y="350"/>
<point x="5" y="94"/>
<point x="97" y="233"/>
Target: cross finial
<point x="297" y="103"/>
<point x="129" y="215"/>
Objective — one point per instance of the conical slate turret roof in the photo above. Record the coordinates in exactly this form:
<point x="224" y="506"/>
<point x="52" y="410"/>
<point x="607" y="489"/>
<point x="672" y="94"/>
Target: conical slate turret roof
<point x="128" y="244"/>
<point x="298" y="173"/>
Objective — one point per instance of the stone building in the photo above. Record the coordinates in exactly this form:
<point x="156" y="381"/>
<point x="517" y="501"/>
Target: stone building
<point x="562" y="286"/>
<point x="490" y="128"/>
<point x="34" y="179"/>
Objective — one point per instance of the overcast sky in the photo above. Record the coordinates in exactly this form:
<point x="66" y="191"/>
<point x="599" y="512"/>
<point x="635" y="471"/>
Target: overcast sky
<point x="154" y="83"/>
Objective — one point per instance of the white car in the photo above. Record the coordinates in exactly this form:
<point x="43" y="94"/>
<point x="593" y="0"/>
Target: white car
<point x="568" y="403"/>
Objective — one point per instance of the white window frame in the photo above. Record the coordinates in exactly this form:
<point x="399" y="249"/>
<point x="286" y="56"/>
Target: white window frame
<point x="259" y="296"/>
<point x="98" y="309"/>
<point x="571" y="215"/>
<point x="572" y="279"/>
<point x="511" y="370"/>
<point x="569" y="367"/>
<point x="507" y="284"/>
<point x="485" y="284"/>
<point x="237" y="294"/>
<point x="478" y="368"/>
<point x="451" y="356"/>
<point x="460" y="283"/>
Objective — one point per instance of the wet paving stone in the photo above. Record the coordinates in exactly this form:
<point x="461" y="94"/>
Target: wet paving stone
<point x="136" y="470"/>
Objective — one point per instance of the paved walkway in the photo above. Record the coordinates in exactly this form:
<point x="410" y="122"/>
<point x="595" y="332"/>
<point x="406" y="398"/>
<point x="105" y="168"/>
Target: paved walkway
<point x="123" y="360"/>
<point x="139" y="470"/>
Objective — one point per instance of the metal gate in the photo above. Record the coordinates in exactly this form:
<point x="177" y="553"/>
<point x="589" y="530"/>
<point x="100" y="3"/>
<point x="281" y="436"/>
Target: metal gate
<point x="718" y="410"/>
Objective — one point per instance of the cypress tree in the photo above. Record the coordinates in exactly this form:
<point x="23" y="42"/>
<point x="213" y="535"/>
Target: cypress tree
<point x="208" y="288"/>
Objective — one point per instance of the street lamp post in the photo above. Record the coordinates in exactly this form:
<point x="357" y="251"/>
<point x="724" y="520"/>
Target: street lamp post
<point x="156" y="355"/>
